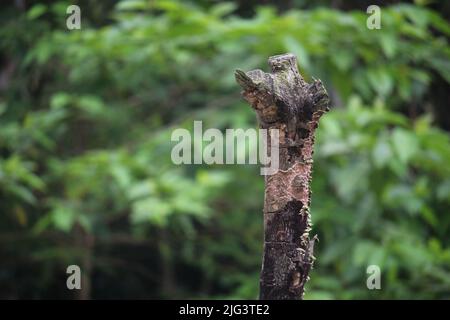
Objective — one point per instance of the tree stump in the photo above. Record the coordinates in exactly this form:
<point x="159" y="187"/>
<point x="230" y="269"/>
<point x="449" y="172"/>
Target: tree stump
<point x="284" y="101"/>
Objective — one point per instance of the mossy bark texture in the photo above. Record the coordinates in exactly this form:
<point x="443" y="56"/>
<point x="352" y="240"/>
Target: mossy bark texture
<point x="284" y="101"/>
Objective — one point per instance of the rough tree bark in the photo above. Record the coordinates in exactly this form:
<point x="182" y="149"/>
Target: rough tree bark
<point x="283" y="100"/>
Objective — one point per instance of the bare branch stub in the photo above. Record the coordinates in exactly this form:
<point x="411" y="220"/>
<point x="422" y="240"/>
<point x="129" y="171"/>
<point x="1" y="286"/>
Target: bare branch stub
<point x="283" y="100"/>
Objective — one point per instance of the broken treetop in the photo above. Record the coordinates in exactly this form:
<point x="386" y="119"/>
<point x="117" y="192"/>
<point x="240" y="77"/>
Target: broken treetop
<point x="283" y="95"/>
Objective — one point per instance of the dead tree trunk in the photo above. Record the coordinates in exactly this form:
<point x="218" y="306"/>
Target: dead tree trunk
<point x="284" y="101"/>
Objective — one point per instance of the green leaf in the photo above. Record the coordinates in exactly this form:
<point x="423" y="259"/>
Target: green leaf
<point x="132" y="5"/>
<point x="405" y="143"/>
<point x="381" y="153"/>
<point x="222" y="9"/>
<point x="63" y="218"/>
<point x="388" y="43"/>
<point x="150" y="210"/>
<point x="60" y="100"/>
<point x="36" y="11"/>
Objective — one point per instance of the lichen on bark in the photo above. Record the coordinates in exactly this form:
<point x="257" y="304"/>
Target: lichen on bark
<point x="284" y="101"/>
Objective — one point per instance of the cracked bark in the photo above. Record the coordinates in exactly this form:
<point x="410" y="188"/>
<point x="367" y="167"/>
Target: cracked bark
<point x="283" y="100"/>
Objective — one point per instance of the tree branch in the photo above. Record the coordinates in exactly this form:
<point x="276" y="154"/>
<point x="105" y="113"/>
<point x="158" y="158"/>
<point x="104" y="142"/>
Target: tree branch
<point x="284" y="101"/>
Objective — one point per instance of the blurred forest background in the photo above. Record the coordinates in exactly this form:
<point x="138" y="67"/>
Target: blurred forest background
<point x="85" y="171"/>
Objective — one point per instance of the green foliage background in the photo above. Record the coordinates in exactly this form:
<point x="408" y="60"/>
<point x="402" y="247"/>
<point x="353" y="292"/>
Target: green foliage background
<point x="85" y="170"/>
